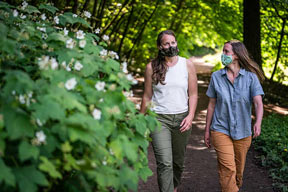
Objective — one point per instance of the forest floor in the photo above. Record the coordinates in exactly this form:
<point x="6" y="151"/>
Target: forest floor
<point x="200" y="173"/>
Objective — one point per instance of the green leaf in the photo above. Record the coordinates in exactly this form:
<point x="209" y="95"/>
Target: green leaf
<point x="18" y="81"/>
<point x="48" y="166"/>
<point x="31" y="9"/>
<point x="49" y="8"/>
<point x="130" y="179"/>
<point x="70" y="162"/>
<point x="116" y="147"/>
<point x="29" y="177"/>
<point x="55" y="111"/>
<point x="90" y="65"/>
<point x="6" y="174"/>
<point x="27" y="151"/>
<point x="130" y="150"/>
<point x="56" y="37"/>
<point x="77" y="134"/>
<point x="17" y="123"/>
<point x="105" y="176"/>
<point x="3" y="135"/>
<point x="5" y="5"/>
<point x="144" y="173"/>
<point x="67" y="18"/>
<point x="66" y="147"/>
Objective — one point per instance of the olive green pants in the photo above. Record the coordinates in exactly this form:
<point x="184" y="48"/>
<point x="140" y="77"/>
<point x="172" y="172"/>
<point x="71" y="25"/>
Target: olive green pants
<point x="169" y="146"/>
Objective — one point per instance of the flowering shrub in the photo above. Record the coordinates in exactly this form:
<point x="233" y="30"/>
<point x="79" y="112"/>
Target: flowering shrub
<point x="65" y="122"/>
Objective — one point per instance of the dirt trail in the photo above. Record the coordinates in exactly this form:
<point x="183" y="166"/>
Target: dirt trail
<point x="200" y="173"/>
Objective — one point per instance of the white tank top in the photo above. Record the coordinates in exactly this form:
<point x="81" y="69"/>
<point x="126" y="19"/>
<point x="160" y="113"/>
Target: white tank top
<point x="172" y="98"/>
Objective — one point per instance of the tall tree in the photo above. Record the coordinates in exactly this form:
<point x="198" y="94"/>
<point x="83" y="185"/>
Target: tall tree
<point x="251" y="27"/>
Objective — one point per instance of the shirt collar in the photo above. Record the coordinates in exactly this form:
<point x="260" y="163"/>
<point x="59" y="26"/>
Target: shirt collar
<point x="241" y="72"/>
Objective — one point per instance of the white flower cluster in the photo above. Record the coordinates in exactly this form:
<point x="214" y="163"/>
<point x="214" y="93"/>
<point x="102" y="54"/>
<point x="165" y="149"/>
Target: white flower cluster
<point x="71" y="84"/>
<point x="70" y="43"/>
<point x="131" y="78"/>
<point x="24" y="5"/>
<point x="43" y="17"/>
<point x="80" y="34"/>
<point x="15" y="13"/>
<point x="113" y="55"/>
<point x="45" y="62"/>
<point x="128" y="94"/>
<point x="105" y="37"/>
<point x="82" y="43"/>
<point x="103" y="52"/>
<point x="42" y="29"/>
<point x="66" y="67"/>
<point x="74" y="15"/>
<point x="56" y="20"/>
<point x="87" y="14"/>
<point x="97" y="31"/>
<point x="39" y="123"/>
<point x="25" y="98"/>
<point x="40" y="138"/>
<point x="124" y="67"/>
<point x="100" y="85"/>
<point x="65" y="31"/>
<point x="22" y="16"/>
<point x="137" y="106"/>
<point x="78" y="66"/>
<point x="96" y="114"/>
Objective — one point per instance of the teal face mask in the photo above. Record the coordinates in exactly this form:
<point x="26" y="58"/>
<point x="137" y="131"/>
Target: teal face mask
<point x="226" y="59"/>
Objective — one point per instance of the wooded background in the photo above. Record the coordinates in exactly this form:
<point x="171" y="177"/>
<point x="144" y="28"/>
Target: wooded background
<point x="201" y="26"/>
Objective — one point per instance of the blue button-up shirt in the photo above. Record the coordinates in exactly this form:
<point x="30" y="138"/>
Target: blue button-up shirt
<point x="232" y="114"/>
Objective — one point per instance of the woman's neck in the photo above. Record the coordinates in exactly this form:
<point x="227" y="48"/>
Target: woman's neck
<point x="171" y="61"/>
<point x="234" y="69"/>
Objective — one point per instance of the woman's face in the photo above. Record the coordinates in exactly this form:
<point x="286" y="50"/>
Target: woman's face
<point x="227" y="49"/>
<point x="168" y="41"/>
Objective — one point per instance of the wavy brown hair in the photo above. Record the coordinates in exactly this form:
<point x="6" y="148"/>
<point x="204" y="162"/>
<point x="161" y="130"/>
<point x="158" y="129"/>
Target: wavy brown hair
<point x="245" y="60"/>
<point x="159" y="65"/>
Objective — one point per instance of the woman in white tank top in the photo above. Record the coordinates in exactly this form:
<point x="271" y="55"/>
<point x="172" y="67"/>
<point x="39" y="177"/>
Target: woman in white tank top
<point x="171" y="85"/>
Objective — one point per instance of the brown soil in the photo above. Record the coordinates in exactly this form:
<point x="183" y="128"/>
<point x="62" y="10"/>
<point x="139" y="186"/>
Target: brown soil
<point x="200" y="174"/>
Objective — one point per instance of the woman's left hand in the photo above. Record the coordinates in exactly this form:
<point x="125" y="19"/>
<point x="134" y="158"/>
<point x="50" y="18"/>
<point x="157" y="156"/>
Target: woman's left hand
<point x="257" y="129"/>
<point x="186" y="124"/>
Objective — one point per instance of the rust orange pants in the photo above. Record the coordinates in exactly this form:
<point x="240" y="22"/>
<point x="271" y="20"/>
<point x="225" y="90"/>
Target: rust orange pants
<point x="231" y="157"/>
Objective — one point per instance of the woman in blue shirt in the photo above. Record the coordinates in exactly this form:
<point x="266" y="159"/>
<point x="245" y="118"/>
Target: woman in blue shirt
<point x="231" y="92"/>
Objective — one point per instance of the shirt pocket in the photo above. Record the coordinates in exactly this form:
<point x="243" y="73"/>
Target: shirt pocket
<point x="243" y="96"/>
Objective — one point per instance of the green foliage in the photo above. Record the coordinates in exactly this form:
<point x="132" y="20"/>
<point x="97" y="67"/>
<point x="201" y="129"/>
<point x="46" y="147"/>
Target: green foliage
<point x="65" y="122"/>
<point x="273" y="14"/>
<point x="273" y="147"/>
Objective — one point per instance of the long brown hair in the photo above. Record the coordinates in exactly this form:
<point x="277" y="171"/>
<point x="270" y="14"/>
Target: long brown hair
<point x="158" y="64"/>
<point x="245" y="60"/>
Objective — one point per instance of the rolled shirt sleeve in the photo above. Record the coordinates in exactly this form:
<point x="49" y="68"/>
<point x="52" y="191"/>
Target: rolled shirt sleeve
<point x="256" y="88"/>
<point x="211" y="88"/>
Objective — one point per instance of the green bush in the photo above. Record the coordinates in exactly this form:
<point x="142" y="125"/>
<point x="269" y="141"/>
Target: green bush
<point x="65" y="121"/>
<point x="273" y="147"/>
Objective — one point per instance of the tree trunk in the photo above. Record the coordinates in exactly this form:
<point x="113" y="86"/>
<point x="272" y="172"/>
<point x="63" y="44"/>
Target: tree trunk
<point x="138" y="38"/>
<point x="85" y="5"/>
<point x="279" y="49"/>
<point x="75" y="7"/>
<point x="113" y="20"/>
<point x="126" y="27"/>
<point x="251" y="27"/>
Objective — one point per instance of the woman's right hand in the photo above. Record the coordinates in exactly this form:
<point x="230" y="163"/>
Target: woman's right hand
<point x="207" y="139"/>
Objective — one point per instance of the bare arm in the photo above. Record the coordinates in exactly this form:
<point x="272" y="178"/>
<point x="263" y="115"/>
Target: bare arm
<point x="192" y="96"/>
<point x="147" y="95"/>
<point x="209" y="116"/>
<point x="259" y="114"/>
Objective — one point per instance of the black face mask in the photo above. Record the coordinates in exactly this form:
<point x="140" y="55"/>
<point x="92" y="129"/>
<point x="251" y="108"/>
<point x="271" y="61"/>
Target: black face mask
<point x="169" y="52"/>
